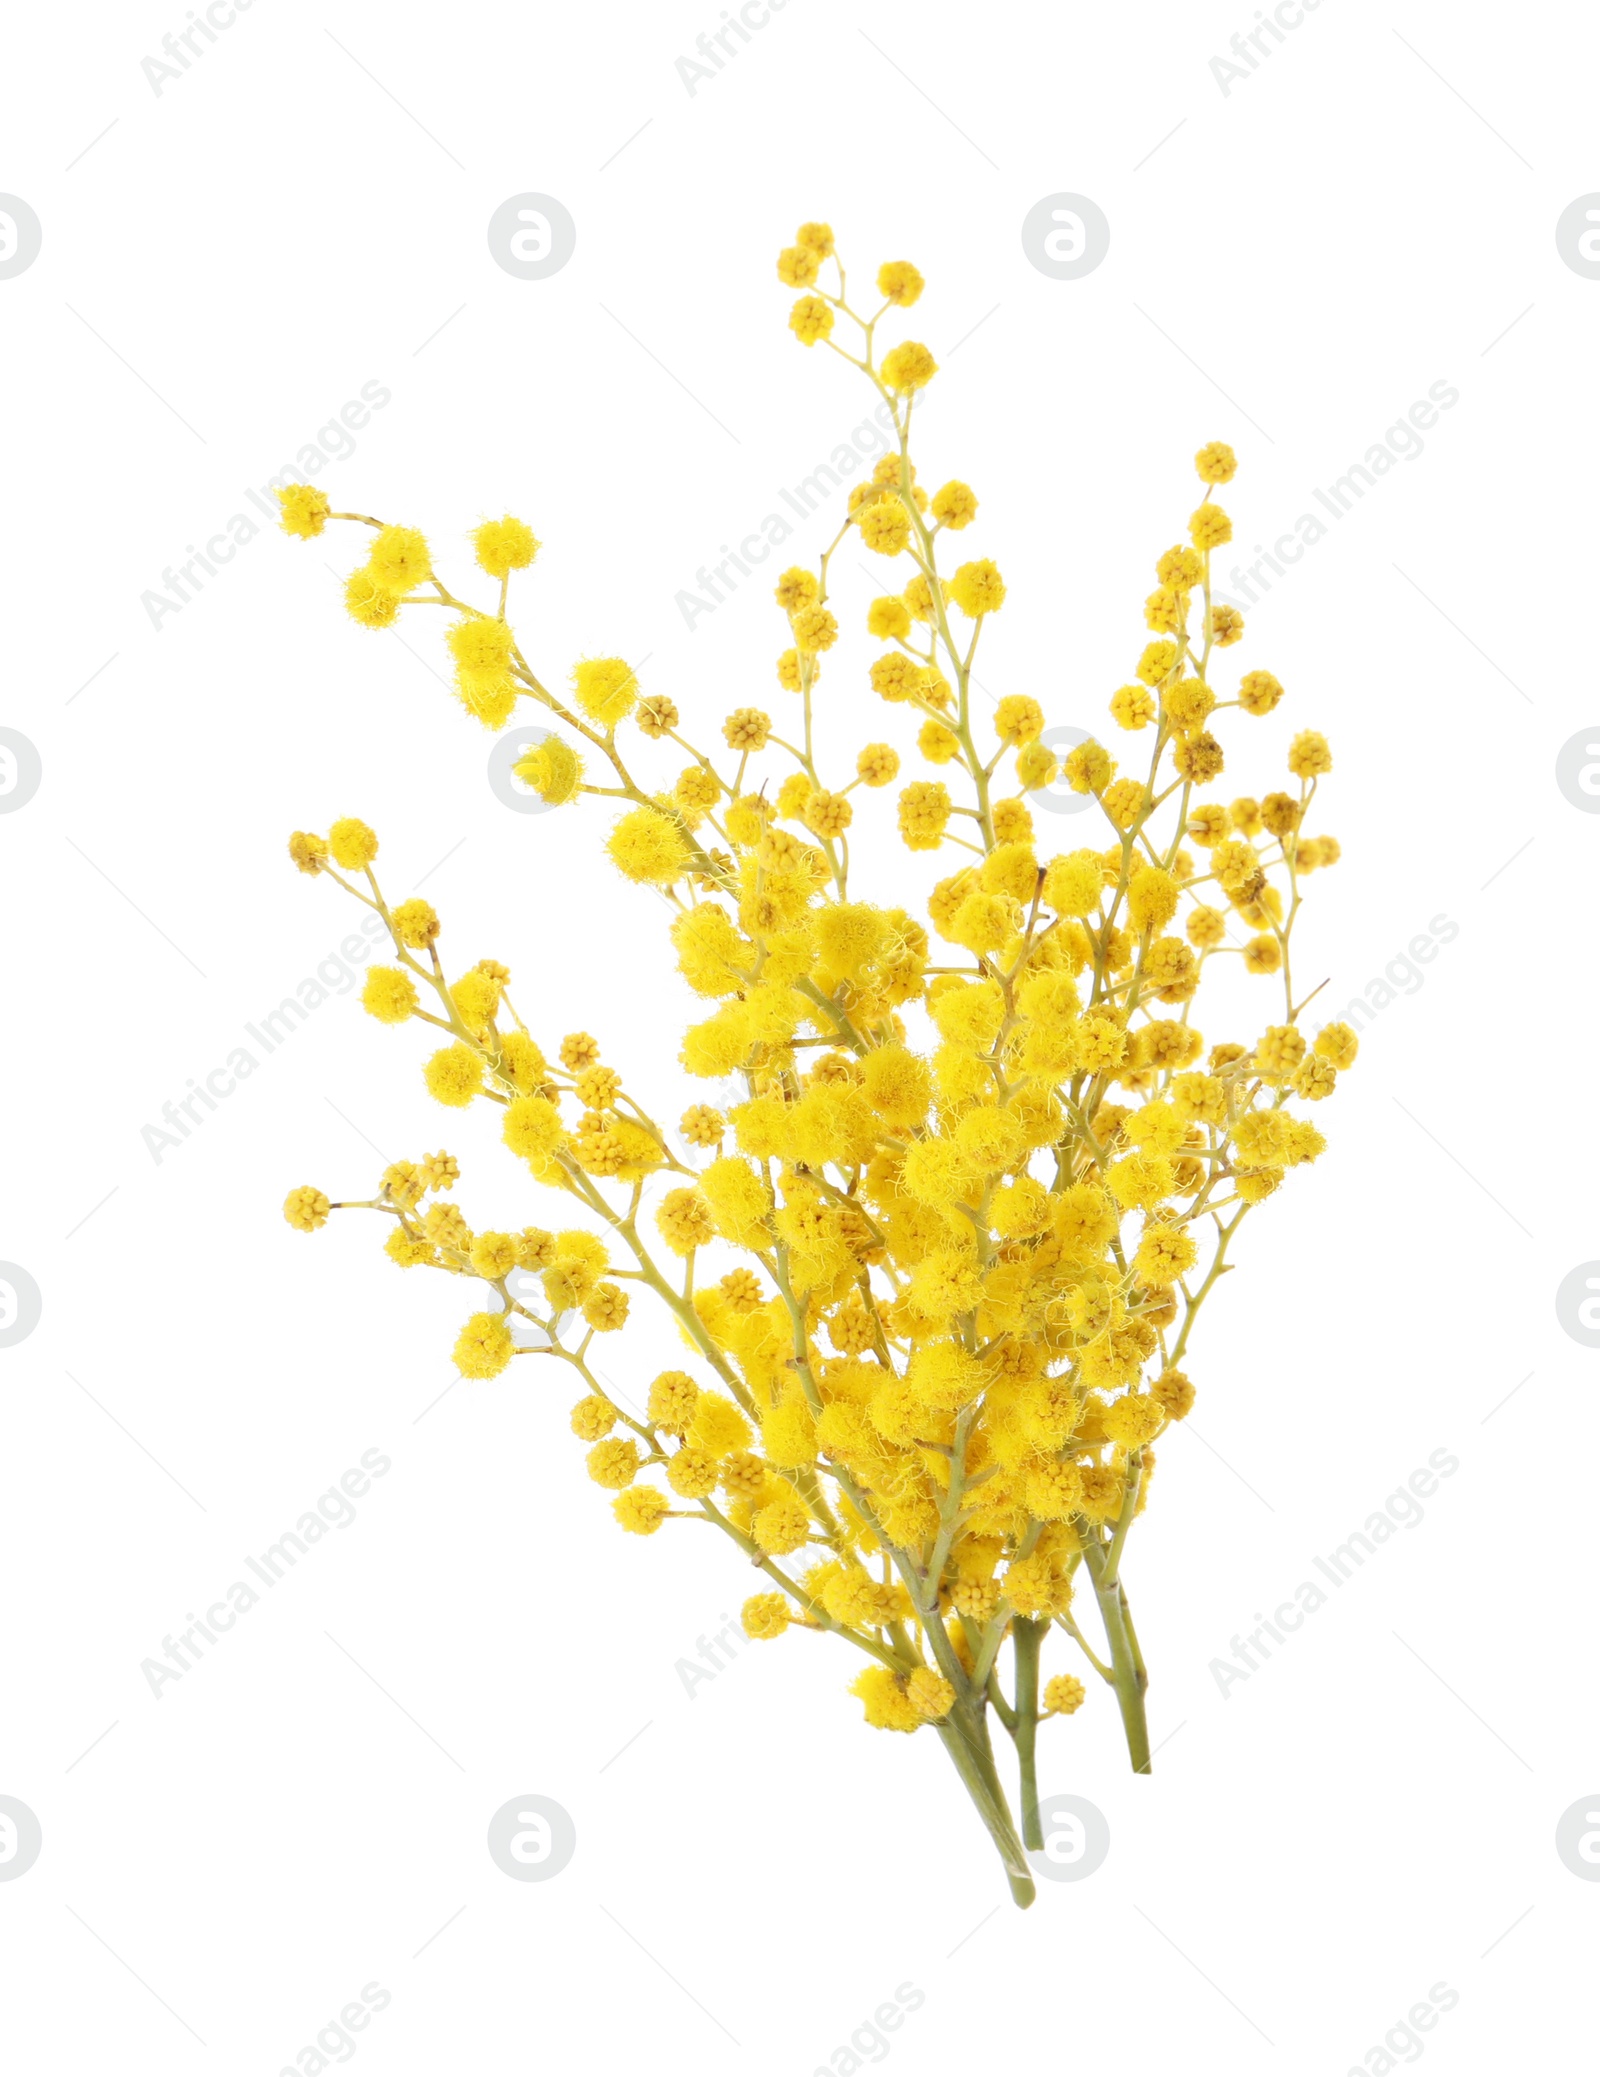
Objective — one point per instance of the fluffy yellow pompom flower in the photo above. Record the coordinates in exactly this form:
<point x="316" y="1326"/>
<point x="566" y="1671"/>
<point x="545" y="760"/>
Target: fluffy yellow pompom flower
<point x="605" y="688"/>
<point x="717" y="1425"/>
<point x="977" y="589"/>
<point x="850" y="935"/>
<point x="766" y="1615"/>
<point x="1064" y="1694"/>
<point x="955" y="505"/>
<point x="402" y="1183"/>
<point x="789" y="1436"/>
<point x="1337" y="1044"/>
<point x="878" y="765"/>
<point x="648" y="845"/>
<point x="899" y="1085"/>
<point x="352" y="844"/>
<point x="1210" y="527"/>
<point x="1216" y="463"/>
<point x="684" y="1218"/>
<point x="1158" y="662"/>
<point x="306" y="1209"/>
<point x="782" y="1526"/>
<point x="1036" y="766"/>
<point x="1055" y="1491"/>
<point x="1259" y="692"/>
<point x="673" y="1398"/>
<point x="796" y="588"/>
<point x="894" y="677"/>
<point x="1073" y="884"/>
<point x="1188" y="702"/>
<point x="1035" y="1588"/>
<point x="899" y="283"/>
<point x="929" y="1693"/>
<point x="640" y="1510"/>
<point x="889" y="619"/>
<point x="490" y="700"/>
<point x="1279" y="1051"/>
<point x="454" y="1075"/>
<point x="925" y="810"/>
<point x="553" y="769"/>
<point x="797" y="266"/>
<point x="481" y="646"/>
<point x="885" y="526"/>
<point x="504" y="545"/>
<point x="814" y="628"/>
<point x="389" y="994"/>
<point x="1314" y="1079"/>
<point x="493" y="1255"/>
<point x="477" y="1000"/>
<point x="415" y="923"/>
<point x="1141" y="1181"/>
<point x="1309" y="755"/>
<point x="1019" y="1210"/>
<point x="1088" y="768"/>
<point x="693" y="1473"/>
<point x="1152" y="898"/>
<point x="614" y="1462"/>
<point x="484" y="1347"/>
<point x="369" y="603"/>
<point x="702" y="1125"/>
<point x="908" y="366"/>
<point x="938" y="744"/>
<point x="883" y="1696"/>
<point x="399" y="560"/>
<point x="303" y="510"/>
<point x="308" y="852"/>
<point x="811" y="320"/>
<point x="1133" y="1420"/>
<point x="1018" y="718"/>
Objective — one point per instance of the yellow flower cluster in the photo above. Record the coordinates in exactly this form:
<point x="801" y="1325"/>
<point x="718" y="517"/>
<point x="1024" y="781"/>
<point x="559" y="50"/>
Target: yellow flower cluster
<point x="937" y="1271"/>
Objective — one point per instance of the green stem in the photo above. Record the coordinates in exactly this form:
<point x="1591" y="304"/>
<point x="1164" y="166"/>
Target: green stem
<point x="1133" y="1639"/>
<point x="1026" y="1634"/>
<point x="966" y="1740"/>
<point x="1127" y="1665"/>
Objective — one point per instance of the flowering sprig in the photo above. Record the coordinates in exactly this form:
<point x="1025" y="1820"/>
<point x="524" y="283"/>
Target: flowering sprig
<point x="938" y="1270"/>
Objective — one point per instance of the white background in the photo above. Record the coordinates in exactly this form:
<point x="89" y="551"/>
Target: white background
<point x="1292" y="264"/>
